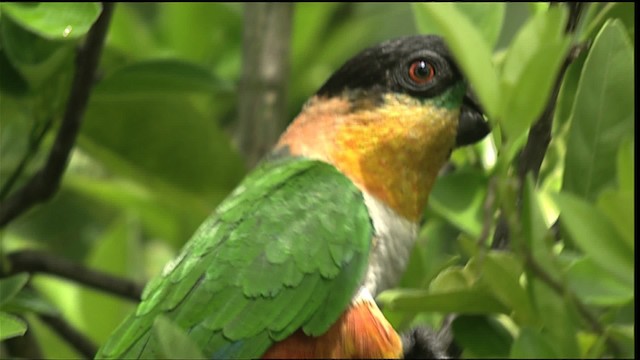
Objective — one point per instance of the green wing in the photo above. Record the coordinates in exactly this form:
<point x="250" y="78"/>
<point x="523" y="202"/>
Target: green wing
<point x="286" y="250"/>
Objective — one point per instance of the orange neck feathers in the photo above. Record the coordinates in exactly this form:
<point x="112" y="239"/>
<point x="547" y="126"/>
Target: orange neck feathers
<point x="391" y="150"/>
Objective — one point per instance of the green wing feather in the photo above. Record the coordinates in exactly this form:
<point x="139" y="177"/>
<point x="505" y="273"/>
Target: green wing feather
<point x="287" y="250"/>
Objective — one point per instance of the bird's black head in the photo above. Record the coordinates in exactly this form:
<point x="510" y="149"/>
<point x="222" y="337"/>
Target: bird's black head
<point x="420" y="66"/>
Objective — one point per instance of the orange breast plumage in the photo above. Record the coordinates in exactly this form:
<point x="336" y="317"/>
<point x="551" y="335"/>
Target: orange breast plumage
<point x="361" y="332"/>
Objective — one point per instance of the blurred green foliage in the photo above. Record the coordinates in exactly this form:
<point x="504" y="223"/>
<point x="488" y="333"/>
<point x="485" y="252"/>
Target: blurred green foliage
<point x="155" y="156"/>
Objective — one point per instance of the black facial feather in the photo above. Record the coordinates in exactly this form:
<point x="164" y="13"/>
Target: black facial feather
<point x="384" y="68"/>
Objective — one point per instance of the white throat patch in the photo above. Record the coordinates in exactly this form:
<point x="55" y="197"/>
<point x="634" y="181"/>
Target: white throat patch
<point x="393" y="240"/>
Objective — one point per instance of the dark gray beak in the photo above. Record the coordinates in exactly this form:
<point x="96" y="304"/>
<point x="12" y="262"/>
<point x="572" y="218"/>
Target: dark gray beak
<point x="471" y="126"/>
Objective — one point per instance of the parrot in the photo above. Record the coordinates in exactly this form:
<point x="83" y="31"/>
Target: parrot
<point x="290" y="263"/>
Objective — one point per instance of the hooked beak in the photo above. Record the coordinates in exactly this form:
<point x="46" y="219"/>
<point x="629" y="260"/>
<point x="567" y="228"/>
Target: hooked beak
<point x="471" y="125"/>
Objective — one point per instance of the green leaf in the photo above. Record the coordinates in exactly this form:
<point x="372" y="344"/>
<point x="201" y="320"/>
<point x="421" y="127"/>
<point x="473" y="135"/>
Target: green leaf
<point x="10" y="286"/>
<point x="11" y="326"/>
<point x="618" y="204"/>
<point x="219" y="30"/>
<point x="533" y="225"/>
<point x="54" y="20"/>
<point x="118" y="253"/>
<point x="591" y="346"/>
<point x="431" y="254"/>
<point x="594" y="287"/>
<point x="481" y="336"/>
<point x="591" y="230"/>
<point x="510" y="148"/>
<point x="530" y="344"/>
<point x="173" y="341"/>
<point x="538" y="7"/>
<point x="182" y="146"/>
<point x="386" y="19"/>
<point x="624" y="335"/>
<point x="618" y="207"/>
<point x="568" y="89"/>
<point x="603" y="113"/>
<point x="436" y="245"/>
<point x="535" y="230"/>
<point x="130" y="36"/>
<point x="12" y="82"/>
<point x="450" y="279"/>
<point x="555" y="313"/>
<point x="625" y="12"/>
<point x="458" y="197"/>
<point x="67" y="216"/>
<point x="622" y="11"/>
<point x="469" y="301"/>
<point x="52" y="345"/>
<point x="184" y="155"/>
<point x="158" y="77"/>
<point x="36" y="58"/>
<point x="486" y="17"/>
<point x="62" y="293"/>
<point x="164" y="216"/>
<point x="28" y="300"/>
<point x="626" y="165"/>
<point x="311" y="22"/>
<point x="469" y="48"/>
<point x="501" y="272"/>
<point x="530" y="68"/>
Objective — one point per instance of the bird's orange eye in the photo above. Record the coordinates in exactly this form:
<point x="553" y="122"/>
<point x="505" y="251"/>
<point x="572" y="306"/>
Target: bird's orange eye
<point x="421" y="72"/>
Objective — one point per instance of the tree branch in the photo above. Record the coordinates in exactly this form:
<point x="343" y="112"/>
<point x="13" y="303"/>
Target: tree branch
<point x="530" y="159"/>
<point x="487" y="210"/>
<point x="70" y="334"/>
<point x="46" y="181"/>
<point x="34" y="145"/>
<point x="34" y="261"/>
<point x="27" y="346"/>
<point x="24" y="347"/>
<point x="584" y="311"/>
<point x="265" y="73"/>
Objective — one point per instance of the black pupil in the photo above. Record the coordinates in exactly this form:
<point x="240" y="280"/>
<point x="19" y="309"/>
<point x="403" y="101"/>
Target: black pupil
<point x="422" y="70"/>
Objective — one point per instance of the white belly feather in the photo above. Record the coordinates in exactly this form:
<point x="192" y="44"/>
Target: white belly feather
<point x="391" y="247"/>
